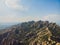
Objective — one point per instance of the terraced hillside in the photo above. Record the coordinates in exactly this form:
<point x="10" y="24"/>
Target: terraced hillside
<point x="31" y="33"/>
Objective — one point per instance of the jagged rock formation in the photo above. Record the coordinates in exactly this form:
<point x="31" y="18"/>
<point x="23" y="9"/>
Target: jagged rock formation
<point x="31" y="33"/>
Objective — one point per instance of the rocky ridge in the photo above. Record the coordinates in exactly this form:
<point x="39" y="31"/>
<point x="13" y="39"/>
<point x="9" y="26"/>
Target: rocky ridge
<point x="31" y="33"/>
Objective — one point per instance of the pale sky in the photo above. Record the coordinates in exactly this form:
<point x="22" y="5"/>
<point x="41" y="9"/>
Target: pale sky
<point x="28" y="10"/>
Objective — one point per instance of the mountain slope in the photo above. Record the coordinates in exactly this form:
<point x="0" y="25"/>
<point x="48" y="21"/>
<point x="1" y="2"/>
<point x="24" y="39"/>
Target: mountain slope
<point x="31" y="33"/>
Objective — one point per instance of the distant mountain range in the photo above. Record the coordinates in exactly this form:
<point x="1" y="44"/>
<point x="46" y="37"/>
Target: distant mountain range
<point x="31" y="33"/>
<point x="3" y="26"/>
<point x="6" y="25"/>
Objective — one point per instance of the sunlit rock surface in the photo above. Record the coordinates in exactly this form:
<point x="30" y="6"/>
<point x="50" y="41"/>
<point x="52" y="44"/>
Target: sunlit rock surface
<point x="31" y="33"/>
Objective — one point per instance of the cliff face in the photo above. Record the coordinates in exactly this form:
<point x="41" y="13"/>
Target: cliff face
<point x="31" y="33"/>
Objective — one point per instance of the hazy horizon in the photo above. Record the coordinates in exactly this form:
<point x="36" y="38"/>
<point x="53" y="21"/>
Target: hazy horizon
<point x="15" y="11"/>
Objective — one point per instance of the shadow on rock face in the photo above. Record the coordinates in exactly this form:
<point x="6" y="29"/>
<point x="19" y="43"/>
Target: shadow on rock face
<point x="18" y="43"/>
